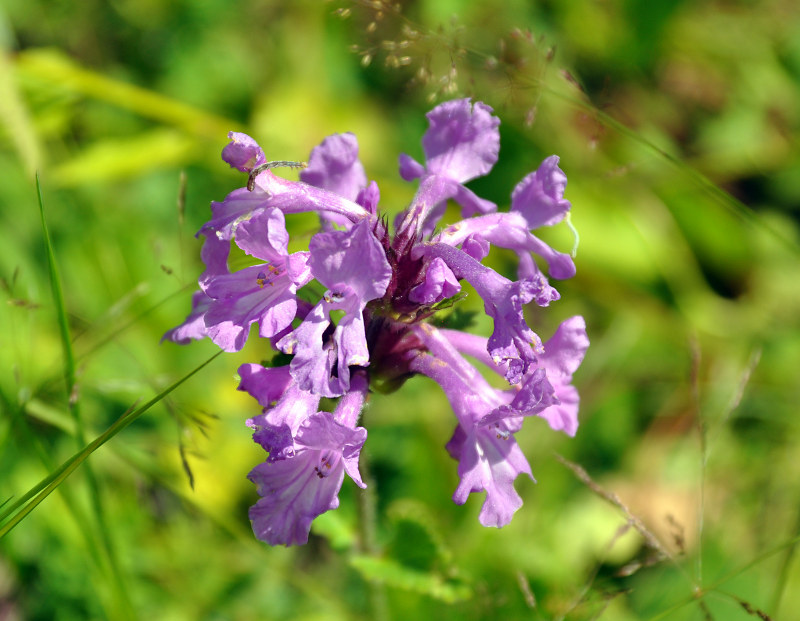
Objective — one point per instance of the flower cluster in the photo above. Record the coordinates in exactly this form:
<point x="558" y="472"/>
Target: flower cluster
<point x="372" y="323"/>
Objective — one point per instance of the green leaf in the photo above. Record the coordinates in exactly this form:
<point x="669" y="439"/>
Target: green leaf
<point x="392" y="573"/>
<point x="339" y="532"/>
<point x="110" y="159"/>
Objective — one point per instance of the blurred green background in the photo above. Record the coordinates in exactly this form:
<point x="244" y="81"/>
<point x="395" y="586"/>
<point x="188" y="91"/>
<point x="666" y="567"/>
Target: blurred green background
<point x="677" y="125"/>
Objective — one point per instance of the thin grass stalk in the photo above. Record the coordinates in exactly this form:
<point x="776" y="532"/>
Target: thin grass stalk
<point x="73" y="404"/>
<point x="45" y="487"/>
<point x="73" y="507"/>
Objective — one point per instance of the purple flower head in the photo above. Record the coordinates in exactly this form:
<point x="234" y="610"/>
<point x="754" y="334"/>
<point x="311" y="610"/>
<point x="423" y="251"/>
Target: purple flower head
<point x="356" y="307"/>
<point x="264" y="293"/>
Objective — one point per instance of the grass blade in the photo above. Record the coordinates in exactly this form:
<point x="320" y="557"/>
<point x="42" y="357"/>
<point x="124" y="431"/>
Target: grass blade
<point x="45" y="487"/>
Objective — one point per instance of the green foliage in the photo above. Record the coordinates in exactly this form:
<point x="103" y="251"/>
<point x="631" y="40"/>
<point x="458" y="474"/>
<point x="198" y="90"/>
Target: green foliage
<point x="676" y="126"/>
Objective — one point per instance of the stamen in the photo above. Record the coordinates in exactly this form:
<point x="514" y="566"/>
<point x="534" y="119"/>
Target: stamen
<point x="501" y="434"/>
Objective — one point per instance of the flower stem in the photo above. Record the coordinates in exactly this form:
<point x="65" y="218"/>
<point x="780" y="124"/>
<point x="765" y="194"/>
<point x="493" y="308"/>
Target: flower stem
<point x="367" y="525"/>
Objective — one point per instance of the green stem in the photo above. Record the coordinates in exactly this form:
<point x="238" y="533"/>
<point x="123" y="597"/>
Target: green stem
<point x="367" y="527"/>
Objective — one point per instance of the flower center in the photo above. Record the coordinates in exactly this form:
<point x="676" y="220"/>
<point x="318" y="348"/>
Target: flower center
<point x="327" y="461"/>
<point x="267" y="278"/>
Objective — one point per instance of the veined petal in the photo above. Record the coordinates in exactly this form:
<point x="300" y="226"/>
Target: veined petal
<point x="334" y="166"/>
<point x="539" y="197"/>
<point x="353" y="258"/>
<point x="296" y="490"/>
<point x="262" y="293"/>
<point x="462" y="141"/>
<point x="292" y="495"/>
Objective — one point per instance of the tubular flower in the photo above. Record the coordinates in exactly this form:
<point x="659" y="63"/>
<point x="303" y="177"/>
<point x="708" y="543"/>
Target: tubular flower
<point x="369" y="320"/>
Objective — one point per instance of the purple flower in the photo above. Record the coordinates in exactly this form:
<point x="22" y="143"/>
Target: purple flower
<point x="546" y="390"/>
<point x="264" y="293"/>
<point x="306" y="483"/>
<point x="489" y="458"/>
<point x="462" y="143"/>
<point x="512" y="341"/>
<point x="370" y="324"/>
<point x="353" y="266"/>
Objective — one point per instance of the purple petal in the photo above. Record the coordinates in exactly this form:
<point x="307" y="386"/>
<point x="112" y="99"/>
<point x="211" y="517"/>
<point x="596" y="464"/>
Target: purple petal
<point x="564" y="351"/>
<point x="490" y="461"/>
<point x="194" y="326"/>
<point x="262" y="293"/>
<point x="276" y="428"/>
<point x="535" y="395"/>
<point x="334" y="166"/>
<point x="243" y="152"/>
<point x="410" y="168"/>
<point x="369" y="197"/>
<point x="265" y="384"/>
<point x="440" y="283"/>
<point x="264" y="236"/>
<point x="539" y="197"/>
<point x="462" y="141"/>
<point x="353" y="258"/>
<point x="337" y="443"/>
<point x="296" y="490"/>
<point x="298" y="197"/>
<point x="489" y="458"/>
<point x="314" y="359"/>
<point x="510" y="230"/>
<point x="292" y="496"/>
<point x="564" y="415"/>
<point x="512" y="341"/>
<point x="476" y="247"/>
